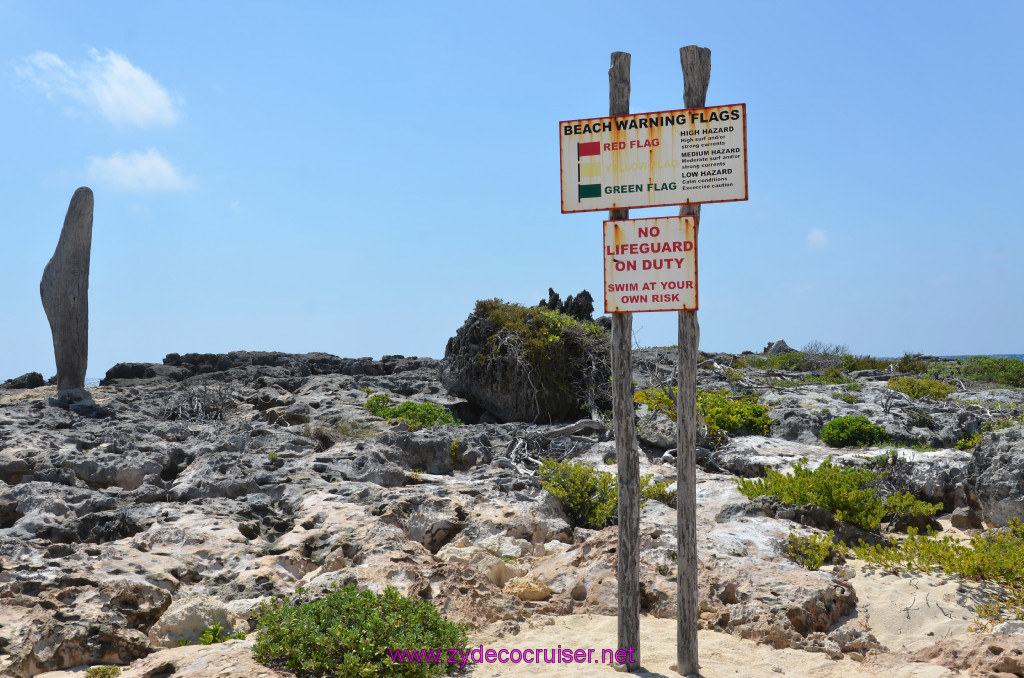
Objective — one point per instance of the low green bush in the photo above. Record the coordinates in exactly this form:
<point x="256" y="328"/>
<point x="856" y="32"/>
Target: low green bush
<point x="416" y="415"/>
<point x="850" y="363"/>
<point x="795" y="361"/>
<point x="911" y="363"/>
<point x="590" y="496"/>
<point x="843" y="491"/>
<point x="739" y="415"/>
<point x="919" y="388"/>
<point x="723" y="412"/>
<point x="852" y="432"/>
<point x="831" y="377"/>
<point x="996" y="556"/>
<point x="1006" y="371"/>
<point x="349" y="632"/>
<point x="103" y="671"/>
<point x="810" y="550"/>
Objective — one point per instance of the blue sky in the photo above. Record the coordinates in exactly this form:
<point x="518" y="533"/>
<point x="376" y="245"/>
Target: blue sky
<point x="351" y="178"/>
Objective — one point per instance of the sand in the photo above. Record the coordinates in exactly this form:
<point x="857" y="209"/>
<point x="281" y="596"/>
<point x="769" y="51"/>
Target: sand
<point x="905" y="612"/>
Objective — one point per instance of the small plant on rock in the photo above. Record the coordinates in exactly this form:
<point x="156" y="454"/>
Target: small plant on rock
<point x="590" y="496"/>
<point x="810" y="550"/>
<point x="352" y="633"/>
<point x="842" y="490"/>
<point x="919" y="388"/>
<point x="415" y="415"/>
<point x="852" y="432"/>
<point x="103" y="671"/>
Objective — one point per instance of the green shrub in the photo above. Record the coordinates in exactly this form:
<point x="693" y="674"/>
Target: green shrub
<point x="911" y="363"/>
<point x="738" y="415"/>
<point x="843" y="491"/>
<point x="659" y="400"/>
<point x="863" y="362"/>
<point x="968" y="442"/>
<point x="919" y="388"/>
<point x="349" y="633"/>
<point x="590" y="496"/>
<point x="1006" y="371"/>
<point x="845" y="397"/>
<point x="795" y="361"/>
<point x="103" y="671"/>
<point x="996" y="556"/>
<point x="811" y="550"/>
<point x="657" y="491"/>
<point x="831" y="376"/>
<point x="416" y="415"/>
<point x="722" y="411"/>
<point x="556" y="357"/>
<point x="852" y="432"/>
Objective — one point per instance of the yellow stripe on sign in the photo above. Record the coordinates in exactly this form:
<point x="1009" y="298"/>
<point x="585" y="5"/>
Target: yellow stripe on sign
<point x="590" y="169"/>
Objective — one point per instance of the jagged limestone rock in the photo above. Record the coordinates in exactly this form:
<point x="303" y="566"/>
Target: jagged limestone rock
<point x="65" y="293"/>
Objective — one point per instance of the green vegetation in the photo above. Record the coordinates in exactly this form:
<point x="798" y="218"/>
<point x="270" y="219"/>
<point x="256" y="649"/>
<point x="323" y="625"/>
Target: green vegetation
<point x="919" y="388"/>
<point x="968" y="442"/>
<point x="591" y="497"/>
<point x="850" y="363"/>
<point x="845" y="397"/>
<point x="852" y="432"/>
<point x="558" y="356"/>
<point x="1006" y="371"/>
<point x="995" y="556"/>
<point x="831" y="376"/>
<point x="272" y="457"/>
<point x="722" y="411"/>
<point x="811" y="550"/>
<point x="911" y="363"/>
<point x="844" y="491"/>
<point x="795" y="361"/>
<point x="214" y="633"/>
<point x="349" y="633"/>
<point x="415" y="415"/>
<point x="103" y="671"/>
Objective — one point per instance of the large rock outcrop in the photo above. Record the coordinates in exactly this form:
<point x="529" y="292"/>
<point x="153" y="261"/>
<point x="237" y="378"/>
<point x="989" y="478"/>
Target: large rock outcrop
<point x="527" y="364"/>
<point x="65" y="293"/>
<point x="1000" y="476"/>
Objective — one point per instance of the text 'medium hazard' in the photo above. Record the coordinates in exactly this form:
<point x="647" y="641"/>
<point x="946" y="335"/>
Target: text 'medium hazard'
<point x="650" y="265"/>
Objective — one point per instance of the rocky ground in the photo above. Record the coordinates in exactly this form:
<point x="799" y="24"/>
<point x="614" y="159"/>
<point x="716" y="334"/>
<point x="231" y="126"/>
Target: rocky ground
<point x="198" y="488"/>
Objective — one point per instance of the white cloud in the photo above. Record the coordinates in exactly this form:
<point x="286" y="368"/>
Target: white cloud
<point x="817" y="239"/>
<point x="136" y="172"/>
<point x="107" y="83"/>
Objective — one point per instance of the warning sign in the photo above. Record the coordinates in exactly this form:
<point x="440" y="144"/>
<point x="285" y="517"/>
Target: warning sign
<point x="695" y="155"/>
<point x="650" y="265"/>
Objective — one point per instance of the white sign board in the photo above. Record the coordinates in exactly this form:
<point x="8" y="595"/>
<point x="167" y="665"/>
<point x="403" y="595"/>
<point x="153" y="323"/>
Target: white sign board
<point x="694" y="155"/>
<point x="650" y="265"/>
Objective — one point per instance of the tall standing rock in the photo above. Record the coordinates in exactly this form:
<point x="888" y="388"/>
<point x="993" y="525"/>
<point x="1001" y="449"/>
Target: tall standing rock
<point x="65" y="293"/>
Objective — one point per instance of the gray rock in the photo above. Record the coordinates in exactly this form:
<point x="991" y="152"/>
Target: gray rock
<point x="1000" y="481"/>
<point x="27" y="380"/>
<point x="488" y="367"/>
<point x="64" y="290"/>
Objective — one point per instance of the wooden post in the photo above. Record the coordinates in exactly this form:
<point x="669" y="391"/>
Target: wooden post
<point x="696" y="63"/>
<point x="625" y="426"/>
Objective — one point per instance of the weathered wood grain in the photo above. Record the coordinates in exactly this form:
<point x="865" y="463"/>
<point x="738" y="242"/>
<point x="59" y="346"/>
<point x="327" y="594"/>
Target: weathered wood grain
<point x="696" y="62"/>
<point x="625" y="427"/>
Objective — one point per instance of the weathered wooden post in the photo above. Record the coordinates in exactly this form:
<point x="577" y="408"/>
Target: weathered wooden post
<point x="625" y="426"/>
<point x="696" y="63"/>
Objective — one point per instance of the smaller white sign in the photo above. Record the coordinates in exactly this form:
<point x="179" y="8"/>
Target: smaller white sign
<point x="650" y="265"/>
